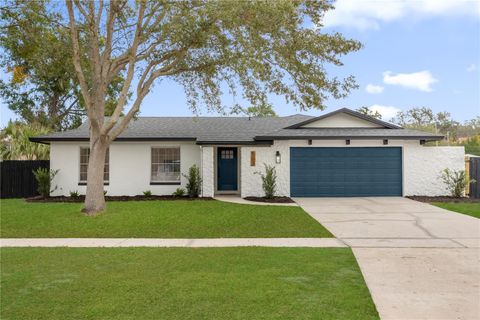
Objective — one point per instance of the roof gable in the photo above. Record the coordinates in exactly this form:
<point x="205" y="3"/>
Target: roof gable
<point x="344" y="118"/>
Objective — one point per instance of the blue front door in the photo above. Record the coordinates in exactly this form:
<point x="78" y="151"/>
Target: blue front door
<point x="227" y="169"/>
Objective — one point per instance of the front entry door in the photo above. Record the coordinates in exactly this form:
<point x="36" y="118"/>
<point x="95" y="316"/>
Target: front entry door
<point x="227" y="169"/>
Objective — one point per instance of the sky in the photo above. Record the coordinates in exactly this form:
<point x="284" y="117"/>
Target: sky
<point x="417" y="53"/>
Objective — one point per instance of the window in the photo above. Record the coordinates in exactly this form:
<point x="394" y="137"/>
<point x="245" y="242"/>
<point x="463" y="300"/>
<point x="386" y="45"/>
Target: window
<point x="166" y="165"/>
<point x="226" y="154"/>
<point x="84" y="156"/>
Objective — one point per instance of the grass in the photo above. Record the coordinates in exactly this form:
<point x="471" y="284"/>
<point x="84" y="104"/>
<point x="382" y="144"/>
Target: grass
<point x="156" y="219"/>
<point x="471" y="209"/>
<point x="181" y="283"/>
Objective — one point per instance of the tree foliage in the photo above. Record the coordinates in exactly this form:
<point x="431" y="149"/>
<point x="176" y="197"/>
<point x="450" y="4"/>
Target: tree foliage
<point x="264" y="110"/>
<point x="369" y="112"/>
<point x="472" y="145"/>
<point x="15" y="143"/>
<point x="426" y="119"/>
<point x="43" y="89"/>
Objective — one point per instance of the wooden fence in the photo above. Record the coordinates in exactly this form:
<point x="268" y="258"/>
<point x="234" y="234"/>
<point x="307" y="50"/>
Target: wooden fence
<point x="17" y="179"/>
<point x="474" y="173"/>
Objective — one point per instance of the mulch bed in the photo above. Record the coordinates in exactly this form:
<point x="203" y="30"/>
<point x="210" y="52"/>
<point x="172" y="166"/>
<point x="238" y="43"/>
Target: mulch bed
<point x="113" y="198"/>
<point x="444" y="199"/>
<point x="272" y="200"/>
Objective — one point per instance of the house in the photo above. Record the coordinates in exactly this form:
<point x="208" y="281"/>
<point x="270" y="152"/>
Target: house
<point x="342" y="153"/>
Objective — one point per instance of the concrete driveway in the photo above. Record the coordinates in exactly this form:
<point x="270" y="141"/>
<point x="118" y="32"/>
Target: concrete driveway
<point x="419" y="261"/>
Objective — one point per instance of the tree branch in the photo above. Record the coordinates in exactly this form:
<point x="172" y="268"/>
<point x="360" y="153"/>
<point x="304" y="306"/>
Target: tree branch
<point x="130" y="73"/>
<point x="76" y="57"/>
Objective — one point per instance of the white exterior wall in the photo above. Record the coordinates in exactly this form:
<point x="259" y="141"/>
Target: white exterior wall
<point x="208" y="172"/>
<point x="422" y="165"/>
<point x="341" y="120"/>
<point x="130" y="165"/>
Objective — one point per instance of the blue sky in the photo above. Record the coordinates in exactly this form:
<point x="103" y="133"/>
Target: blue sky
<point x="416" y="53"/>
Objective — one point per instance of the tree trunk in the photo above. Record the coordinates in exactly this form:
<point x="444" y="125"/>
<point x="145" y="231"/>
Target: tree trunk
<point x="95" y="198"/>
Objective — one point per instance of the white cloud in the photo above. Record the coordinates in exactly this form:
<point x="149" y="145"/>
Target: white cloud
<point x="373" y="89"/>
<point x="421" y="80"/>
<point x="387" y="112"/>
<point x="472" y="67"/>
<point x="368" y="14"/>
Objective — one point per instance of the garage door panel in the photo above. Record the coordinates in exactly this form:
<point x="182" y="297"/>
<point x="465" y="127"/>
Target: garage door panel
<point x="350" y="171"/>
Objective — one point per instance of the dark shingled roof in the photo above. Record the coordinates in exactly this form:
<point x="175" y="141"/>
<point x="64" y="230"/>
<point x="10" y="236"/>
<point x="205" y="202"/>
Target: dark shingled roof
<point x="348" y="133"/>
<point x="239" y="130"/>
<point x="204" y="130"/>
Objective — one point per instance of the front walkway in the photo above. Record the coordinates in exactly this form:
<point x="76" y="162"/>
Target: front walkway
<point x="187" y="243"/>
<point x="419" y="261"/>
<point x="240" y="200"/>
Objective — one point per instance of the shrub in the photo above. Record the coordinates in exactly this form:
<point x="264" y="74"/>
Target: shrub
<point x="269" y="181"/>
<point x="194" y="183"/>
<point x="44" y="179"/>
<point x="74" y="194"/>
<point x="456" y="181"/>
<point x="180" y="192"/>
<point x="147" y="193"/>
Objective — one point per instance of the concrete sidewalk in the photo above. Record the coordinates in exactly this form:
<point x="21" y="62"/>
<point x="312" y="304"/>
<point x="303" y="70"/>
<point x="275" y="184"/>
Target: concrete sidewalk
<point x="166" y="243"/>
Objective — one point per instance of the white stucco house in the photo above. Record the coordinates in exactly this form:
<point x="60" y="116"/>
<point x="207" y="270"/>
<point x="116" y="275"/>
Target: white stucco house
<point x="342" y="153"/>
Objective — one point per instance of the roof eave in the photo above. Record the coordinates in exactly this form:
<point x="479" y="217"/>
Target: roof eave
<point x="268" y="142"/>
<point x="426" y="138"/>
<point x="46" y="140"/>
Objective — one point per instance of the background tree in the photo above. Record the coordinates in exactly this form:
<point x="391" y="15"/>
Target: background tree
<point x="255" y="48"/>
<point x="264" y="110"/>
<point x="426" y="120"/>
<point x="472" y="145"/>
<point x="36" y="50"/>
<point x="15" y="143"/>
<point x="369" y="112"/>
<point x="469" y="128"/>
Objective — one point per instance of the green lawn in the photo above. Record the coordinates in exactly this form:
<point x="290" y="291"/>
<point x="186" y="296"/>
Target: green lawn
<point x="472" y="209"/>
<point x="156" y="219"/>
<point x="181" y="283"/>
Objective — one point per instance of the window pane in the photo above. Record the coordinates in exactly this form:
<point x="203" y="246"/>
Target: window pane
<point x="84" y="156"/>
<point x="165" y="164"/>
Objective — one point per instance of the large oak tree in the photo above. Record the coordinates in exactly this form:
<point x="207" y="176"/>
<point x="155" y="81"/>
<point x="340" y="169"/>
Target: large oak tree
<point x="253" y="48"/>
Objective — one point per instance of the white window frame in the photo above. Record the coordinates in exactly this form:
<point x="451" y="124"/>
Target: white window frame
<point x="82" y="182"/>
<point x="166" y="182"/>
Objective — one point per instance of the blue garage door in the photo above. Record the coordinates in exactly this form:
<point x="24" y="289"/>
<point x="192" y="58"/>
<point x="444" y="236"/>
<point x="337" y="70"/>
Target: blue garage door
<point x="345" y="172"/>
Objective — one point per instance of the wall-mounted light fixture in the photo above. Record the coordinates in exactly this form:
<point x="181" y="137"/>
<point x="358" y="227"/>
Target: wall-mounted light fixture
<point x="278" y="158"/>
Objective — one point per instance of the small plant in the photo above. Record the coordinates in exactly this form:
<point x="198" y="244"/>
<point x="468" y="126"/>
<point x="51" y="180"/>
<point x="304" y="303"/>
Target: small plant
<point x="74" y="194"/>
<point x="180" y="192"/>
<point x="456" y="181"/>
<point x="269" y="181"/>
<point x="147" y="193"/>
<point x="44" y="179"/>
<point x="194" y="183"/>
